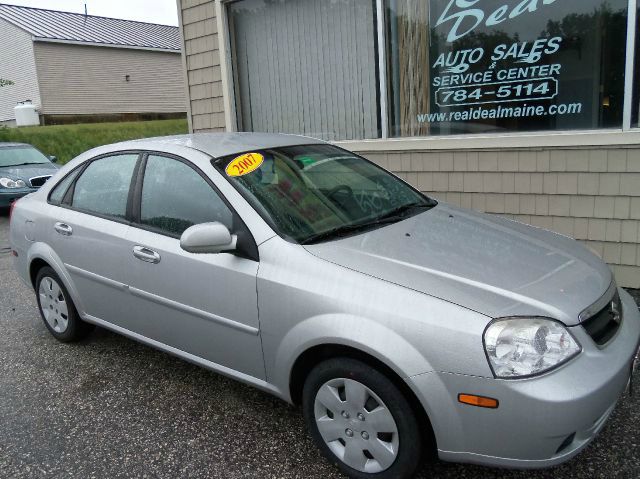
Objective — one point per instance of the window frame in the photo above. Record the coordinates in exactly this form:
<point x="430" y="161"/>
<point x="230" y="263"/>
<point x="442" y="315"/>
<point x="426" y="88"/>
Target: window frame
<point x="229" y="85"/>
<point x="630" y="82"/>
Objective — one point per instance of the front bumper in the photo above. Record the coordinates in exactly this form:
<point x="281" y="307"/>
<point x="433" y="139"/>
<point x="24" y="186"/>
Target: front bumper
<point x="8" y="196"/>
<point x="540" y="422"/>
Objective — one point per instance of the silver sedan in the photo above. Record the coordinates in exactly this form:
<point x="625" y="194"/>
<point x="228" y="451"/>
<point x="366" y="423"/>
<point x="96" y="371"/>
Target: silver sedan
<point x="400" y="324"/>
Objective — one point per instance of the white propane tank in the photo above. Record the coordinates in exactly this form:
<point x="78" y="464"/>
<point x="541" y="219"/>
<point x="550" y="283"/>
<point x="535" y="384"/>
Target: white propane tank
<point x="26" y="114"/>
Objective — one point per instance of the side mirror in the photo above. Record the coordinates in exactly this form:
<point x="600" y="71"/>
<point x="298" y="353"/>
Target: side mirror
<point x="208" y="238"/>
<point x="54" y="159"/>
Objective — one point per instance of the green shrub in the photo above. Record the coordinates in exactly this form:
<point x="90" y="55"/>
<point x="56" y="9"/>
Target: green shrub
<point x="68" y="141"/>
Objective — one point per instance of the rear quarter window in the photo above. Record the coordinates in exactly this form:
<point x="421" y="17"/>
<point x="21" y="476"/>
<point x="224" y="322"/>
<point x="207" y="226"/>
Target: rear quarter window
<point x="57" y="194"/>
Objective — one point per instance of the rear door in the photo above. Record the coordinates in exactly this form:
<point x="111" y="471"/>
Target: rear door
<point x="202" y="304"/>
<point x="87" y="229"/>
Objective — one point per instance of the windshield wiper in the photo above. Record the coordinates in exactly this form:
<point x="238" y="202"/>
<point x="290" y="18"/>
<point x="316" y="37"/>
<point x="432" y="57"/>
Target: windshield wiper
<point x="392" y="216"/>
<point x="23" y="164"/>
<point x="345" y="230"/>
<point x="400" y="211"/>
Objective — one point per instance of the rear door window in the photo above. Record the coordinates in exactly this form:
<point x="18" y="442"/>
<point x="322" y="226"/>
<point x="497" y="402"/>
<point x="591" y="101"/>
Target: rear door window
<point x="103" y="187"/>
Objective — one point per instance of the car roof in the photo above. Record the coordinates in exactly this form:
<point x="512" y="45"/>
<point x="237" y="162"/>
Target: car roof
<point x="220" y="144"/>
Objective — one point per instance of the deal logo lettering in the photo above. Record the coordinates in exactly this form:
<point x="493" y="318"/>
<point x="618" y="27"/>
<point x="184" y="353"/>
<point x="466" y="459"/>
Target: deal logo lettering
<point x="464" y="19"/>
<point x="514" y="79"/>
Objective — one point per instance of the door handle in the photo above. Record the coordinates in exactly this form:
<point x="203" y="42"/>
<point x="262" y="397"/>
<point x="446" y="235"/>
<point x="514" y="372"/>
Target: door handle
<point x="145" y="254"/>
<point x="63" y="229"/>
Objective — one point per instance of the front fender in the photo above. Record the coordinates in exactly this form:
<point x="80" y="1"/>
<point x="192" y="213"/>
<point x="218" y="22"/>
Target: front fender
<point x="360" y="333"/>
<point x="44" y="252"/>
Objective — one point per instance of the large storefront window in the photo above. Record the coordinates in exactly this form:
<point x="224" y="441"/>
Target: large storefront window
<point x="465" y="66"/>
<point x="306" y="66"/>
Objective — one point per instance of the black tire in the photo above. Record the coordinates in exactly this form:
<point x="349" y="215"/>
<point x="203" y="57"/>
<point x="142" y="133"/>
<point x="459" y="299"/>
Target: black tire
<point x="76" y="329"/>
<point x="410" y="438"/>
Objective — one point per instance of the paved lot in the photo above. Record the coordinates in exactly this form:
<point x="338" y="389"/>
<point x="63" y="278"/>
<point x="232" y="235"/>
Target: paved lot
<point x="110" y="408"/>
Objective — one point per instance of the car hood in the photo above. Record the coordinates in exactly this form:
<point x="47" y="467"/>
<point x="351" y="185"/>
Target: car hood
<point x="491" y="265"/>
<point x="24" y="172"/>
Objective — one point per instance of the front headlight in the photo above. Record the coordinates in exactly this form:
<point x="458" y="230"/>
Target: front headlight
<point x="522" y="347"/>
<point x="9" y="183"/>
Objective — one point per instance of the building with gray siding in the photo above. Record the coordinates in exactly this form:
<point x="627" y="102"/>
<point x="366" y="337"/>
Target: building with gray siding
<point x="525" y="109"/>
<point x="76" y="67"/>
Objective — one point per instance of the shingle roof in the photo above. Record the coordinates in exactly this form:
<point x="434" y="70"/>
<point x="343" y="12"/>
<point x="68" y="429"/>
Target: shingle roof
<point x="50" y="25"/>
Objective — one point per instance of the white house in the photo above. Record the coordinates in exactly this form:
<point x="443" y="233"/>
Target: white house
<point x="75" y="67"/>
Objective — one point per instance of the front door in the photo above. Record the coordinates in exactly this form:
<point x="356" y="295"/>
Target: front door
<point x="202" y="304"/>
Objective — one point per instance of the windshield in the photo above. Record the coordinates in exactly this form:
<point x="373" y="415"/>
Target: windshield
<point x="315" y="192"/>
<point x="21" y="155"/>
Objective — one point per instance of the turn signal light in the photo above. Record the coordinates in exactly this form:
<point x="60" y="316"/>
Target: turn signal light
<point x="479" y="401"/>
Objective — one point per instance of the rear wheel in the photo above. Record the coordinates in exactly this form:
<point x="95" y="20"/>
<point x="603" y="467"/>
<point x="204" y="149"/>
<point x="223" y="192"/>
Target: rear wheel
<point x="57" y="309"/>
<point x="361" y="421"/>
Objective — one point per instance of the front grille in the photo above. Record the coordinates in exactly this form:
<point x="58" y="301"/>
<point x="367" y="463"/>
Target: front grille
<point x="603" y="325"/>
<point x="38" y="181"/>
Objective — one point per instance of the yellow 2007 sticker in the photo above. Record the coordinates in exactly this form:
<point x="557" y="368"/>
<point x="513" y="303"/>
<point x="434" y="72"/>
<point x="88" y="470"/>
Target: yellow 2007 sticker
<point x="244" y="164"/>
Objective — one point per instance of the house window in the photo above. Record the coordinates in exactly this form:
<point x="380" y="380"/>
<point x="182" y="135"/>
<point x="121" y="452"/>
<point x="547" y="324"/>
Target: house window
<point x="361" y="69"/>
<point x="306" y="66"/>
<point x="459" y="67"/>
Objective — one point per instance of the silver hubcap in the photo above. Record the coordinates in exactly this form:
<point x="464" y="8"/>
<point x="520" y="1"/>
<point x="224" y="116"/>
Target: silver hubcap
<point x="356" y="425"/>
<point x="53" y="305"/>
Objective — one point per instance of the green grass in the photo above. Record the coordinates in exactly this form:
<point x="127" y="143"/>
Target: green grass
<point x="68" y="141"/>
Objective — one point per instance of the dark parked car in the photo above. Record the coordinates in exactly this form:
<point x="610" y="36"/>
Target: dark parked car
<point x="23" y="169"/>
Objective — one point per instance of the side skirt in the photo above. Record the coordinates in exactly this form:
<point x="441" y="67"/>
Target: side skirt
<point x="215" y="367"/>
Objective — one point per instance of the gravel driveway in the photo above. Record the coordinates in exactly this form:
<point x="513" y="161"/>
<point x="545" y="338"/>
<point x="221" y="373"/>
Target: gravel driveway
<point x="109" y="407"/>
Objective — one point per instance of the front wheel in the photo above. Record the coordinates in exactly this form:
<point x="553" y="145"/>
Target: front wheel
<point x="361" y="421"/>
